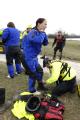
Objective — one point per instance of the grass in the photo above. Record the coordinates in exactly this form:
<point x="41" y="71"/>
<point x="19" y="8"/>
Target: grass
<point x="70" y="51"/>
<point x="20" y="83"/>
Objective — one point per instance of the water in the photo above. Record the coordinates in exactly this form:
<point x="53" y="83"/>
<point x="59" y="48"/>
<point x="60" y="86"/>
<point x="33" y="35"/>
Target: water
<point x="73" y="39"/>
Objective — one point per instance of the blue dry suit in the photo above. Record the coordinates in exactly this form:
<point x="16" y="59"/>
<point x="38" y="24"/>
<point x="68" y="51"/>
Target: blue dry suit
<point x="31" y="45"/>
<point x="11" y="39"/>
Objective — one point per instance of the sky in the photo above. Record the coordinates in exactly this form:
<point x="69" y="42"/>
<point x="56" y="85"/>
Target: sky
<point x="60" y="14"/>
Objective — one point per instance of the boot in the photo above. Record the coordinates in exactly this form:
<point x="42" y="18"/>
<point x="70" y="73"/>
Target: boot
<point x="41" y="87"/>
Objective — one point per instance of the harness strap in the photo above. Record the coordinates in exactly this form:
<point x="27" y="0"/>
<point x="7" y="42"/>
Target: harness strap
<point x="67" y="73"/>
<point x="64" y="68"/>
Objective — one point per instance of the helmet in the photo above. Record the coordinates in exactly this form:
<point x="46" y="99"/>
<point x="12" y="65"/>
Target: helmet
<point x="24" y="96"/>
<point x="33" y="104"/>
<point x="29" y="27"/>
<point x="46" y="61"/>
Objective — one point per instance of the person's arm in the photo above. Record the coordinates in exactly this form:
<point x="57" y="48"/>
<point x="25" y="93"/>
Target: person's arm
<point x="23" y="42"/>
<point x="55" y="73"/>
<point x="54" y="42"/>
<point x="5" y="35"/>
<point x="45" y="42"/>
<point x="54" y="77"/>
<point x="64" y="40"/>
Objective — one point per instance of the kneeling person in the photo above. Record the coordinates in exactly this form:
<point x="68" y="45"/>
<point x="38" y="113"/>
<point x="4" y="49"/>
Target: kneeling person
<point x="61" y="73"/>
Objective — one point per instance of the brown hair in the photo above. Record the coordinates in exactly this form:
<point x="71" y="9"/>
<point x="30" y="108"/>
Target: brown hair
<point x="11" y="24"/>
<point x="40" y="20"/>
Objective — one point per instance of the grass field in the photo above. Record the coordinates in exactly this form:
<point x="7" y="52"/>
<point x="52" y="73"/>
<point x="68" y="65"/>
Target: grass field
<point x="19" y="84"/>
<point x="70" y="51"/>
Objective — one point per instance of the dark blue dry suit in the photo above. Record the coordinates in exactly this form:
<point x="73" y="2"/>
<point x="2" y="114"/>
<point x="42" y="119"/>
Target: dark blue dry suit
<point x="11" y="39"/>
<point x="32" y="44"/>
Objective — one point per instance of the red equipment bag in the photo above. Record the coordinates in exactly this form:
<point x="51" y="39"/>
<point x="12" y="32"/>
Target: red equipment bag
<point x="53" y="103"/>
<point x="45" y="108"/>
<point x="46" y="113"/>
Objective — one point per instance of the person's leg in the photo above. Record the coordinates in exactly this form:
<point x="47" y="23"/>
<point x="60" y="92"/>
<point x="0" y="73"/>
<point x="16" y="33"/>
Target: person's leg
<point x="72" y="85"/>
<point x="63" y="87"/>
<point x="31" y="83"/>
<point x="39" y="76"/>
<point x="60" y="51"/>
<point x="17" y="56"/>
<point x="10" y="66"/>
<point x="10" y="70"/>
<point x="54" y="56"/>
<point x="31" y="86"/>
<point x="55" y="51"/>
<point x="9" y="60"/>
<point x="60" y="55"/>
<point x="60" y="89"/>
<point x="32" y="74"/>
<point x="19" y="69"/>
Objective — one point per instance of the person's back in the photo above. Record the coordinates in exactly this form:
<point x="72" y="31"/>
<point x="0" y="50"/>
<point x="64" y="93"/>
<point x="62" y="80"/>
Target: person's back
<point x="11" y="37"/>
<point x="10" y="40"/>
<point x="61" y="69"/>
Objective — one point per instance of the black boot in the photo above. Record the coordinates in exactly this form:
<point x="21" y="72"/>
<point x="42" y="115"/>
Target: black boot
<point x="41" y="87"/>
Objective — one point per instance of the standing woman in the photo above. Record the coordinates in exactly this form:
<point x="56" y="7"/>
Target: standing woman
<point x="32" y="47"/>
<point x="11" y="40"/>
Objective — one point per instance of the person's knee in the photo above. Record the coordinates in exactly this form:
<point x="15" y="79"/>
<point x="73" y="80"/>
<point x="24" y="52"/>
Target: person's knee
<point x="9" y="62"/>
<point x="55" y="49"/>
<point x="40" y="70"/>
<point x="60" y="50"/>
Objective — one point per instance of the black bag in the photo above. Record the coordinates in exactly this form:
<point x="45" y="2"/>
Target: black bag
<point x="2" y="96"/>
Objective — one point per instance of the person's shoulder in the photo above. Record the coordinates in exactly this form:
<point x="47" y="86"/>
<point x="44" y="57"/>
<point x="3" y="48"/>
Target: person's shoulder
<point x="9" y="29"/>
<point x="33" y="32"/>
<point x="44" y="32"/>
<point x="15" y="29"/>
<point x="6" y="30"/>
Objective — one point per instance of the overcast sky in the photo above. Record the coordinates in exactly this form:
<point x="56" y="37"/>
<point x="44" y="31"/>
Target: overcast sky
<point x="60" y="14"/>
